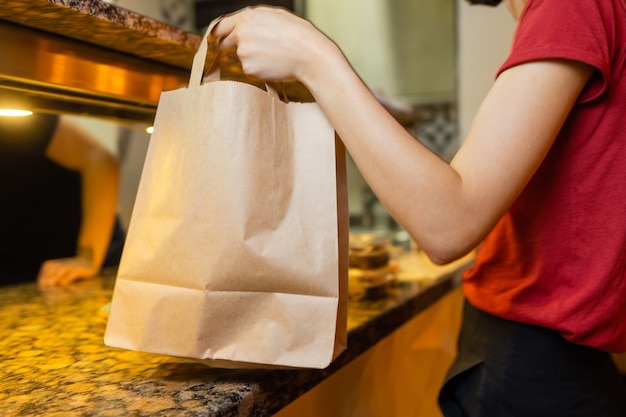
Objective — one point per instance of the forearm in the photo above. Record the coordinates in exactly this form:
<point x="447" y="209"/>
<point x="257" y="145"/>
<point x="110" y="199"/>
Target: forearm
<point x="421" y="191"/>
<point x="100" y="184"/>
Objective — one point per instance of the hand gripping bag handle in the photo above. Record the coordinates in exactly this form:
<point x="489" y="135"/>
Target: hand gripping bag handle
<point x="199" y="62"/>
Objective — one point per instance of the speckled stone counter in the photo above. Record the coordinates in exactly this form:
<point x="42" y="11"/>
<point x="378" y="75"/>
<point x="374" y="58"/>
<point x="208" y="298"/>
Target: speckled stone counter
<point x="108" y="26"/>
<point x="54" y="362"/>
<point x="87" y="57"/>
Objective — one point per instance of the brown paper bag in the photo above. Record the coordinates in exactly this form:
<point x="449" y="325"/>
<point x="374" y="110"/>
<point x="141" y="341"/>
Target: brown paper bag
<point x="237" y="247"/>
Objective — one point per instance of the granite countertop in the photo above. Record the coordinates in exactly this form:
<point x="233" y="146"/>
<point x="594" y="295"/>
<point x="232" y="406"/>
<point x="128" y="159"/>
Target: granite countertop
<point x="54" y="359"/>
<point x="106" y="25"/>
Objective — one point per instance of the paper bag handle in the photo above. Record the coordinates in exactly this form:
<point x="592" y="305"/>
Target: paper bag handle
<point x="199" y="61"/>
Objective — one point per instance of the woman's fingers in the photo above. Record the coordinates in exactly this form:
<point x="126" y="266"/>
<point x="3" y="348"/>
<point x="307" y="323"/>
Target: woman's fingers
<point x="223" y="28"/>
<point x="221" y="44"/>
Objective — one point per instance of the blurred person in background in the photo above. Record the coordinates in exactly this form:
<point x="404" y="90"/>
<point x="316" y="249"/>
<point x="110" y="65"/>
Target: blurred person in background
<point x="59" y="195"/>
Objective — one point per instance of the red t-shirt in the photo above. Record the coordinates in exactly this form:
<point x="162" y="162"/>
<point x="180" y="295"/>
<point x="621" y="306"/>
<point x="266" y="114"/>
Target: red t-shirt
<point x="558" y="257"/>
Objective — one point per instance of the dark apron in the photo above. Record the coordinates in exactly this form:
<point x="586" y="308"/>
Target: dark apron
<point x="509" y="369"/>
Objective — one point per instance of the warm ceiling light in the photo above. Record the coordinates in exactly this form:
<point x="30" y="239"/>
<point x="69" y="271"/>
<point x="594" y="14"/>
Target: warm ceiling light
<point x="150" y="129"/>
<point x="15" y="112"/>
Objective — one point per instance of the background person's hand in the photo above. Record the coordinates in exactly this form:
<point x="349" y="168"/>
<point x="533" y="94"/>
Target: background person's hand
<point x="64" y="271"/>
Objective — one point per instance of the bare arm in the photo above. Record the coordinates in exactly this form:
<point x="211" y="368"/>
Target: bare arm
<point x="74" y="149"/>
<point x="447" y="208"/>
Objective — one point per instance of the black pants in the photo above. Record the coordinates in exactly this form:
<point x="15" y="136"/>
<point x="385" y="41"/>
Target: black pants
<point x="508" y="369"/>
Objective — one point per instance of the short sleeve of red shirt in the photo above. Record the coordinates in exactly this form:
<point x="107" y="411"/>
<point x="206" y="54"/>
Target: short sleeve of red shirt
<point x="562" y="29"/>
<point x="557" y="258"/>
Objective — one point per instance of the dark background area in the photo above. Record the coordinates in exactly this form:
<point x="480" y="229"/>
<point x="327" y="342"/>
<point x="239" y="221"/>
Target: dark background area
<point x="207" y="10"/>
